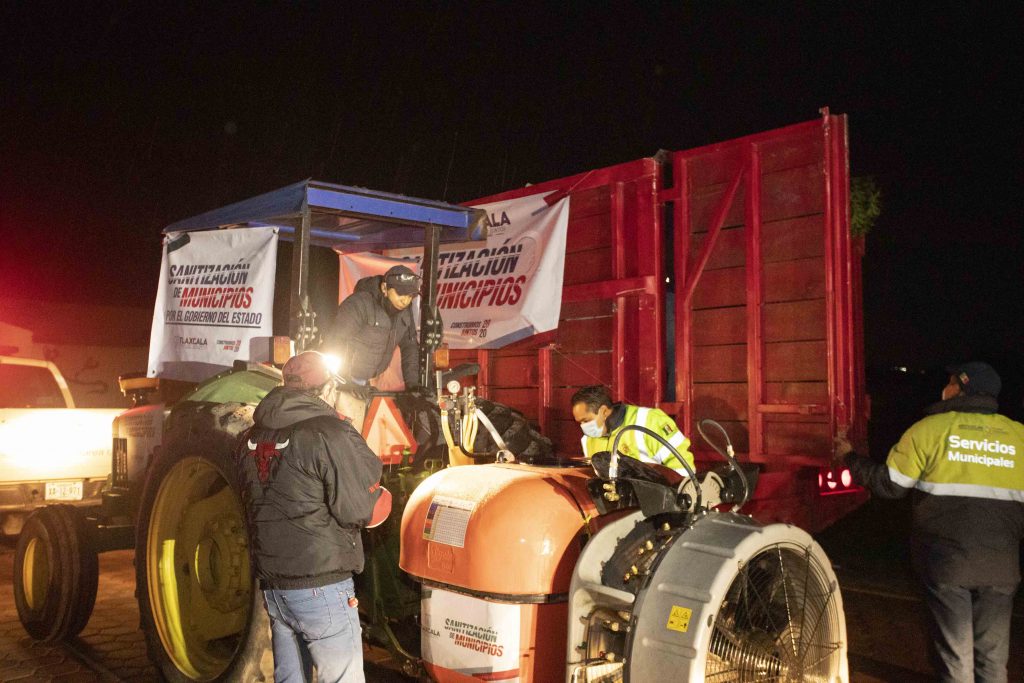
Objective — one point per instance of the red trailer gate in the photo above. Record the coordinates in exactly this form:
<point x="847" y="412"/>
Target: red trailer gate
<point x="717" y="282"/>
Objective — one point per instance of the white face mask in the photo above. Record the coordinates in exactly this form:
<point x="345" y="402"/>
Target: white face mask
<point x="591" y="429"/>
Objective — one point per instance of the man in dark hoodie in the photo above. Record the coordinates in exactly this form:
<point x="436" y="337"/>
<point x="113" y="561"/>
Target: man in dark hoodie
<point x="964" y="465"/>
<point x="374" y="320"/>
<point x="309" y="483"/>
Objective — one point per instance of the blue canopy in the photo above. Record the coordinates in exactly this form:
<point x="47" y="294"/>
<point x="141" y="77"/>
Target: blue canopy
<point x="340" y="214"/>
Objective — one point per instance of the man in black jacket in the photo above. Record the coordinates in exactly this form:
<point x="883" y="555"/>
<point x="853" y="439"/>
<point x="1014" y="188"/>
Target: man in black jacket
<point x="964" y="467"/>
<point x="374" y="320"/>
<point x="309" y="483"/>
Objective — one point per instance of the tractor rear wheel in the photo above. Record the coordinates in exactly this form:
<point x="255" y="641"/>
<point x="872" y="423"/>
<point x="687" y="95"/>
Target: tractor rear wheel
<point x="55" y="573"/>
<point x="201" y="610"/>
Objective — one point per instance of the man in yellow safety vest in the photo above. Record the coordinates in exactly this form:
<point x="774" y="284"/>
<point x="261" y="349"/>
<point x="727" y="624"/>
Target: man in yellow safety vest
<point x="601" y="420"/>
<point x="963" y="465"/>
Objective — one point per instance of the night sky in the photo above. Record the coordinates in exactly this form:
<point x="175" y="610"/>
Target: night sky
<point x="117" y="119"/>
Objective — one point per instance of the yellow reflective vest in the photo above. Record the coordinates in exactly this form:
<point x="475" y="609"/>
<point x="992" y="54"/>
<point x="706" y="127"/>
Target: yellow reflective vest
<point x="636" y="444"/>
<point x="976" y="455"/>
<point x="965" y="469"/>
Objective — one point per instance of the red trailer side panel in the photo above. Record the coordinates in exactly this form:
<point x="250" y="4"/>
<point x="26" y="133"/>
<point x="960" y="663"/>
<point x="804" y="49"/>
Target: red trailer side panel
<point x="719" y="282"/>
<point x="768" y="337"/>
<point x="752" y="314"/>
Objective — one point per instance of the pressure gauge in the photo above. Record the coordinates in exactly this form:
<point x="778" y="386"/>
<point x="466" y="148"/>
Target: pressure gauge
<point x="453" y="386"/>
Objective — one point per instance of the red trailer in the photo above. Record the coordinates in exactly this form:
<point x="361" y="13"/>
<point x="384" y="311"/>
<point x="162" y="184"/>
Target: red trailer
<point x="719" y="282"/>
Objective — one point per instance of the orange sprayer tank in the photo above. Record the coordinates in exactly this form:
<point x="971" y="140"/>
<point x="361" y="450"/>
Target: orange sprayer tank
<point x="494" y="547"/>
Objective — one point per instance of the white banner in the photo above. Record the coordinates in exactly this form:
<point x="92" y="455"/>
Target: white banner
<point x="215" y="299"/>
<point x="473" y="637"/>
<point x="495" y="293"/>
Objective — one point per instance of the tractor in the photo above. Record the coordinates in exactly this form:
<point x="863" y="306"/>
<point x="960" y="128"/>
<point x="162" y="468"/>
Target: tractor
<point x="171" y="494"/>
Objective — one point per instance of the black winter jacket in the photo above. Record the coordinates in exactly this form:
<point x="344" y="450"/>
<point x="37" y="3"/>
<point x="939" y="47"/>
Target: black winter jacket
<point x="308" y="483"/>
<point x="367" y="330"/>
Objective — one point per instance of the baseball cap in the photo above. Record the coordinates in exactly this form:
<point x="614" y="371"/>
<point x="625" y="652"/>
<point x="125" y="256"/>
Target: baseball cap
<point x="976" y="377"/>
<point x="307" y="370"/>
<point x="402" y="280"/>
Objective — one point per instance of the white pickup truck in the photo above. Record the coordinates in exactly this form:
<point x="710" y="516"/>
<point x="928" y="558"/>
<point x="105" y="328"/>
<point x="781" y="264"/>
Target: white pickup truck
<point x="50" y="451"/>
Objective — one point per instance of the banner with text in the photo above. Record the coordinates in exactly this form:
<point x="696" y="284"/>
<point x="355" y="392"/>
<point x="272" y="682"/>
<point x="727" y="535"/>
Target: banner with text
<point x="494" y="293"/>
<point x="215" y="302"/>
<point x="471" y="637"/>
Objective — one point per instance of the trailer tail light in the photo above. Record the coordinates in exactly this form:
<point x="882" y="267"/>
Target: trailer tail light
<point x="839" y="480"/>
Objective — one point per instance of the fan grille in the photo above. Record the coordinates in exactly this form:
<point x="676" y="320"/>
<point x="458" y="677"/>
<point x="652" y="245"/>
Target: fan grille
<point x="779" y="621"/>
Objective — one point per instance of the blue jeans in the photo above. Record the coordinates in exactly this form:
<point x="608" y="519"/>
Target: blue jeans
<point x="316" y="626"/>
<point x="970" y="629"/>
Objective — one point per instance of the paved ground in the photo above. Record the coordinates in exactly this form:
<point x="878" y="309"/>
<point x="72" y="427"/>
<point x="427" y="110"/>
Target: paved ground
<point x="885" y="619"/>
<point x="111" y="648"/>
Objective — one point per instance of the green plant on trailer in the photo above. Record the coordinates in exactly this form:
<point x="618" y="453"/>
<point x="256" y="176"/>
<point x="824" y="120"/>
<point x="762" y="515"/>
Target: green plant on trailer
<point x="865" y="205"/>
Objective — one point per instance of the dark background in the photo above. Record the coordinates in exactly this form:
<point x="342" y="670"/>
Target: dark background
<point x="119" y="118"/>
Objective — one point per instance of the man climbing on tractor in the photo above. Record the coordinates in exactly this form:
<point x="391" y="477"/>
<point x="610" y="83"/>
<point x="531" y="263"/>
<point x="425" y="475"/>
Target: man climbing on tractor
<point x="371" y="323"/>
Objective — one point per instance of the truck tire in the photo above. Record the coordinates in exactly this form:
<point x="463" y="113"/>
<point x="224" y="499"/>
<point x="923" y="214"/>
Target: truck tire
<point x="528" y="445"/>
<point x="199" y="605"/>
<point x="55" y="573"/>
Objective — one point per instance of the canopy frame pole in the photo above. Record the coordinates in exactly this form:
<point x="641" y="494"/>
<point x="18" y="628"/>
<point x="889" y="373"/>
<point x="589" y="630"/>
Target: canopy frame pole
<point x="428" y="303"/>
<point x="302" y="322"/>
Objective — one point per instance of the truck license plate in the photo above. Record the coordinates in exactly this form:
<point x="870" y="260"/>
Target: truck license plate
<point x="63" y="490"/>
